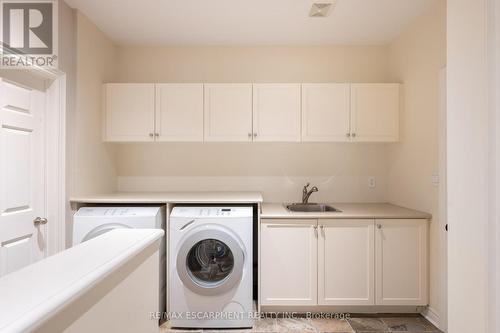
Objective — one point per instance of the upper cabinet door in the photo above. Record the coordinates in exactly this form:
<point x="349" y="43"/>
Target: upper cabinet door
<point x="179" y="112"/>
<point x="228" y="112"/>
<point x="326" y="112"/>
<point x="375" y="112"/>
<point x="129" y="112"/>
<point x="276" y="112"/>
<point x="401" y="262"/>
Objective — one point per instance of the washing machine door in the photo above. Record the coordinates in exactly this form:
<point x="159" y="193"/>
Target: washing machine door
<point x="102" y="229"/>
<point x="210" y="262"/>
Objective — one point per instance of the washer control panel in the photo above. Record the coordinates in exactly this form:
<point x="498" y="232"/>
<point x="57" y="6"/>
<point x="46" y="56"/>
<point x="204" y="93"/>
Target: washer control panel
<point x="211" y="212"/>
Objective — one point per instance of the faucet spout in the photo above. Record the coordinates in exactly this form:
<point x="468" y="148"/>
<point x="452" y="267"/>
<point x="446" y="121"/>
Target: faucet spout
<point x="307" y="193"/>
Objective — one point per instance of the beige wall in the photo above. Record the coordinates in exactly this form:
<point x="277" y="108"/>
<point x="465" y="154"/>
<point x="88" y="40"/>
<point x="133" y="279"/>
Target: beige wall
<point x="253" y="64"/>
<point x="93" y="166"/>
<point x="416" y="57"/>
<point x="278" y="170"/>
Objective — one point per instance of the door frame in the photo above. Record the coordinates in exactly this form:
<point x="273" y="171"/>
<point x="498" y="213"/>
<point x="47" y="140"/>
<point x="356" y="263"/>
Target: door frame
<point x="473" y="126"/>
<point x="442" y="316"/>
<point x="55" y="126"/>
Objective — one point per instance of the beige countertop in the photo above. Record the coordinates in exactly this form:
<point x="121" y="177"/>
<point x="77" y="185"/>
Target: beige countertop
<point x="348" y="211"/>
<point x="174" y="197"/>
<point x="269" y="210"/>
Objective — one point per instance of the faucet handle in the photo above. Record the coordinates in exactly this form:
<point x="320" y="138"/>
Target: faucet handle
<point x="307" y="185"/>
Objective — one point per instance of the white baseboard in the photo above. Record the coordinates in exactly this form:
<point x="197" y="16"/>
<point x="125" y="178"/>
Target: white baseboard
<point x="432" y="315"/>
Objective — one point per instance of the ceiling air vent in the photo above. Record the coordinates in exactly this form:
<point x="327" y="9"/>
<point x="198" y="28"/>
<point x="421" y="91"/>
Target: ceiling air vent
<point x="321" y="9"/>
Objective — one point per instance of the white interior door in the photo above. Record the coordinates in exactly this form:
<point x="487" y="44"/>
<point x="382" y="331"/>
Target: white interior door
<point x="22" y="176"/>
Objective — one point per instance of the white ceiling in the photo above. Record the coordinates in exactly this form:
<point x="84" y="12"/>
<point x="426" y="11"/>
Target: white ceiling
<point x="249" y="22"/>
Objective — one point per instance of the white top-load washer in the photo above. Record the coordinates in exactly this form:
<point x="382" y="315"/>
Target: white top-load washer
<point x="210" y="274"/>
<point x="90" y="222"/>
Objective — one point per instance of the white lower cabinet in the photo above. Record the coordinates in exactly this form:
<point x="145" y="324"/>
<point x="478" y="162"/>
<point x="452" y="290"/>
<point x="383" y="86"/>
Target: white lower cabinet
<point x="401" y="262"/>
<point x="288" y="262"/>
<point x="346" y="262"/>
<point x="343" y="262"/>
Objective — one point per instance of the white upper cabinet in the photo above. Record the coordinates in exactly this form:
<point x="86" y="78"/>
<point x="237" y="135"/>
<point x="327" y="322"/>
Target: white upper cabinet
<point x="129" y="112"/>
<point x="401" y="262"/>
<point x="375" y="112"/>
<point x="326" y="112"/>
<point x="179" y="112"/>
<point x="276" y="112"/>
<point x="241" y="112"/>
<point x="346" y="262"/>
<point x="228" y="112"/>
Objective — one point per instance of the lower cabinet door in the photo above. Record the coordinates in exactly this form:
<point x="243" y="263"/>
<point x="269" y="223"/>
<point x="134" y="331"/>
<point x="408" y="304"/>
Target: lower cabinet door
<point x="288" y="262"/>
<point x="346" y="262"/>
<point x="401" y="262"/>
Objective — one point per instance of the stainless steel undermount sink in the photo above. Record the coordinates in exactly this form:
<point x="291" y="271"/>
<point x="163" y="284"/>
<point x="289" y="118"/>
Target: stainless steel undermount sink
<point x="310" y="208"/>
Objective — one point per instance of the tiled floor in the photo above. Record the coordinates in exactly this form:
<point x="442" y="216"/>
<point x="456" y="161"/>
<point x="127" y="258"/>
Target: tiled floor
<point x="361" y="324"/>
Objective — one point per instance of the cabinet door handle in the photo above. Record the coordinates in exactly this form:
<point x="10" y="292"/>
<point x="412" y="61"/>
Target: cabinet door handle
<point x="255" y="135"/>
<point x="250" y="135"/>
<point x="348" y="135"/>
<point x="315" y="230"/>
<point x="322" y="230"/>
<point x="353" y="135"/>
<point x="157" y="134"/>
<point x="379" y="226"/>
<point x="151" y="135"/>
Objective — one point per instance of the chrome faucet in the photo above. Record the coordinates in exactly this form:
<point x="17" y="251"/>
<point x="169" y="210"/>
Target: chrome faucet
<point x="307" y="193"/>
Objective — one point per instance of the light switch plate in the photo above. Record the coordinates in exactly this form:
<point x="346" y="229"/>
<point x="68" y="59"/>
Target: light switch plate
<point x="435" y="179"/>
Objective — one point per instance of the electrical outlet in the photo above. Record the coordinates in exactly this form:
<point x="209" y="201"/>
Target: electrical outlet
<point x="372" y="183"/>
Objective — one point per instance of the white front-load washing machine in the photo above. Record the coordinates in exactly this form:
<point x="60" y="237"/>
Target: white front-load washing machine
<point x="210" y="274"/>
<point x="90" y="222"/>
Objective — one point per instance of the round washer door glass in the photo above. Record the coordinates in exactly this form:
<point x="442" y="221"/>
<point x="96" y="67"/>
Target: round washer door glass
<point x="210" y="261"/>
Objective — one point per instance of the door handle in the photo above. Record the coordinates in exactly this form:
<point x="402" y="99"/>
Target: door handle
<point x="40" y="221"/>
